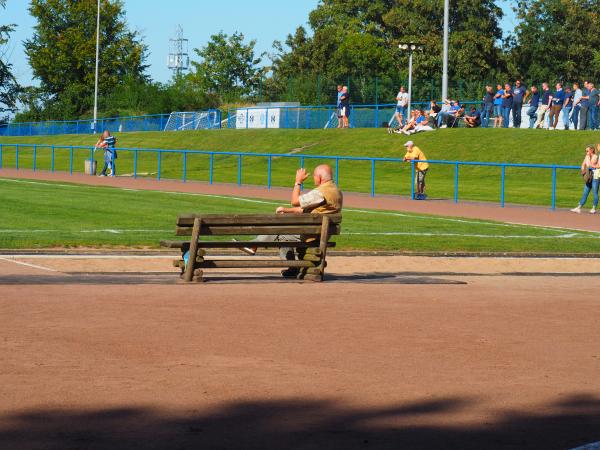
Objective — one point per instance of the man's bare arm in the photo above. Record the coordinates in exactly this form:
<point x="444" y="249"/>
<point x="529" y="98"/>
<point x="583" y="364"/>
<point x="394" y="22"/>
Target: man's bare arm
<point x="301" y="176"/>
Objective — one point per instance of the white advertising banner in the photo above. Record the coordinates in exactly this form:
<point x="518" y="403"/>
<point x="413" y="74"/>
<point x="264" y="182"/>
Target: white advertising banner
<point x="257" y="118"/>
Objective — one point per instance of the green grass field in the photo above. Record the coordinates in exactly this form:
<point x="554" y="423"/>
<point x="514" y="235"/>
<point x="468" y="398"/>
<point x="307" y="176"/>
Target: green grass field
<point x="525" y="186"/>
<point x="44" y="215"/>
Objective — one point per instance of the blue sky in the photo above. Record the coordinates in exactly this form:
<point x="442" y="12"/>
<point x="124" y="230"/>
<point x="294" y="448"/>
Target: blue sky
<point x="263" y="20"/>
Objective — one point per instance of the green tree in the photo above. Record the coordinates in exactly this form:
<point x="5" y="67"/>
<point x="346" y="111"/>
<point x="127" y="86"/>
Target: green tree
<point x="557" y="40"/>
<point x="62" y="52"/>
<point x="359" y="38"/>
<point x="9" y="88"/>
<point x="228" y="66"/>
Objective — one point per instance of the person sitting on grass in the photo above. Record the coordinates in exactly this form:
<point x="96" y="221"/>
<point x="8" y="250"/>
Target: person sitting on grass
<point x="421" y="123"/>
<point x="326" y="198"/>
<point x="414" y="153"/>
<point x="473" y="119"/>
<point x="410" y="124"/>
<point x="108" y="142"/>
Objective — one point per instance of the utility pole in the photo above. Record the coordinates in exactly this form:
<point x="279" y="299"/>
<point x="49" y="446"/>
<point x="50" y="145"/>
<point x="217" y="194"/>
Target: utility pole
<point x="97" y="60"/>
<point x="445" y="67"/>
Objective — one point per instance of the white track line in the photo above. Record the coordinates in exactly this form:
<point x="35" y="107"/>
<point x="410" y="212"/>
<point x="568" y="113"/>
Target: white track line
<point x="33" y="266"/>
<point x="12" y="258"/>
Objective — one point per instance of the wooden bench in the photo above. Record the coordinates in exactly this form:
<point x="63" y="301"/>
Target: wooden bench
<point x="314" y="228"/>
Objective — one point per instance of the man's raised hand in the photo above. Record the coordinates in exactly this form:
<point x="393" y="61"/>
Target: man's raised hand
<point x="301" y="175"/>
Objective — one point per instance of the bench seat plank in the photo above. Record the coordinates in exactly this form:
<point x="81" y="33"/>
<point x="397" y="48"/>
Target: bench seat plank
<point x="247" y="263"/>
<point x="187" y="220"/>
<point x="232" y="230"/>
<point x="240" y="244"/>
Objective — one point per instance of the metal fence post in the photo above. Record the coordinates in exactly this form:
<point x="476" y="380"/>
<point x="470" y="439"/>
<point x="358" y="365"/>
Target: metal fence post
<point x="17" y="156"/>
<point x="211" y="168"/>
<point x="135" y="162"/>
<point x="159" y="158"/>
<point x="456" y="166"/>
<point x="412" y="180"/>
<point x="269" y="161"/>
<point x="239" y="175"/>
<point x="502" y="185"/>
<point x="0" y="155"/>
<point x="337" y="171"/>
<point x="184" y="166"/>
<point x="372" y="178"/>
<point x="71" y="160"/>
<point x="553" y="188"/>
<point x="34" y="157"/>
<point x="52" y="159"/>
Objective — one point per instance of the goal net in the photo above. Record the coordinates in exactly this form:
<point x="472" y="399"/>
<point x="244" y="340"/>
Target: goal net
<point x="194" y="120"/>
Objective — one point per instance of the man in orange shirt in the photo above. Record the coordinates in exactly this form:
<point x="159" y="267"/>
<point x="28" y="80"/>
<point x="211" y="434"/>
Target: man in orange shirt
<point x="414" y="153"/>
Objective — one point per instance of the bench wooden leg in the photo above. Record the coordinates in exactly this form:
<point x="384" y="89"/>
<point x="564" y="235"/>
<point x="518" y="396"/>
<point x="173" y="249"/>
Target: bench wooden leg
<point x="193" y="253"/>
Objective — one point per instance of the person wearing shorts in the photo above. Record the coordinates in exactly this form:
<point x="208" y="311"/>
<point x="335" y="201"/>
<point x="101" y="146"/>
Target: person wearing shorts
<point x="345" y="107"/>
<point x="498" y="106"/>
<point x="402" y="107"/>
<point x="340" y="116"/>
<point x="414" y="153"/>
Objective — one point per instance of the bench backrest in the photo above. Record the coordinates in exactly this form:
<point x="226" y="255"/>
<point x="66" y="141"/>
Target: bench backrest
<point x="251" y="224"/>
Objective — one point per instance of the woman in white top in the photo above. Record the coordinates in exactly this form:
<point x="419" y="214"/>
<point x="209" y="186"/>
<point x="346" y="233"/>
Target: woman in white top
<point x="590" y="170"/>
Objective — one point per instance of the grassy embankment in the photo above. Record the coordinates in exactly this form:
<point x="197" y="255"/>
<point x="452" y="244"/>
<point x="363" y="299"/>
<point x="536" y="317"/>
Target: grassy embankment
<point x="523" y="185"/>
<point x="41" y="215"/>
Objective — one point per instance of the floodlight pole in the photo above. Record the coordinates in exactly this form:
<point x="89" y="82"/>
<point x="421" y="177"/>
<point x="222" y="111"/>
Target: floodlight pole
<point x="97" y="60"/>
<point x="445" y="64"/>
<point x="410" y="55"/>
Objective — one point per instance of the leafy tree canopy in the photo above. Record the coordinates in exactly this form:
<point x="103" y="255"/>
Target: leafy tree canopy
<point x="228" y="66"/>
<point x="62" y="51"/>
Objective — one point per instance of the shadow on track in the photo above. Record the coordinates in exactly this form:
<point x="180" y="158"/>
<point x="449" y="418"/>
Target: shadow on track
<point x="294" y="424"/>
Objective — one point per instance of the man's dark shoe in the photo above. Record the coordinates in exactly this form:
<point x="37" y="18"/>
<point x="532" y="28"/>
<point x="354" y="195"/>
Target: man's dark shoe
<point x="290" y="273"/>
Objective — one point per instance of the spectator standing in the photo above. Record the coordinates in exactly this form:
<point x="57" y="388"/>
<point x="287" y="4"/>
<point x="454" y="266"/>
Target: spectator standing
<point x="108" y="143"/>
<point x="345" y="102"/>
<point x="558" y="99"/>
<point x="414" y="153"/>
<point x="545" y="106"/>
<point x="402" y="107"/>
<point x="590" y="171"/>
<point x="584" y="107"/>
<point x="498" y="106"/>
<point x="520" y="94"/>
<point x="567" y="106"/>
<point x="577" y="94"/>
<point x="507" y="104"/>
<point x="339" y="107"/>
<point x="534" y="104"/>
<point x="594" y="103"/>
<point x="488" y="106"/>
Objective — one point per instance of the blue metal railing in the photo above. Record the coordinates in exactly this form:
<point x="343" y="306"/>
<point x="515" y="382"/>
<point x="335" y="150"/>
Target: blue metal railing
<point x="210" y="119"/>
<point x="185" y="154"/>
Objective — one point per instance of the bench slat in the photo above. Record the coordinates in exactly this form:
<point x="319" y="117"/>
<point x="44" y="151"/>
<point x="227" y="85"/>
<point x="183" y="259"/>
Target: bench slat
<point x="232" y="230"/>
<point x="256" y="263"/>
<point x="240" y="244"/>
<point x="187" y="220"/>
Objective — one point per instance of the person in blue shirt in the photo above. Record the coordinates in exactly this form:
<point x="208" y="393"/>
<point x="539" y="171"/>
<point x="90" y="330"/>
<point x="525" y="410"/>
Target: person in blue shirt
<point x="558" y="99"/>
<point x="520" y="94"/>
<point x="108" y="143"/>
<point x="498" y="106"/>
<point x="507" y="103"/>
<point x="473" y="119"/>
<point x="567" y="106"/>
<point x="584" y="106"/>
<point x="534" y="104"/>
<point x="545" y="106"/>
<point x="339" y="107"/>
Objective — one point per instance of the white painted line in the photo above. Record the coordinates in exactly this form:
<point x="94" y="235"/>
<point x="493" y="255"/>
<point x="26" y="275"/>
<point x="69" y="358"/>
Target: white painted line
<point x="34" y="266"/>
<point x="488" y="236"/>
<point x="13" y="258"/>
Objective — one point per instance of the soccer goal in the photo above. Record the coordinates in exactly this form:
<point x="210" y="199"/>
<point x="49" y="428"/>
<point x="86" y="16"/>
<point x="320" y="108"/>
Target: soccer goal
<point x="194" y="120"/>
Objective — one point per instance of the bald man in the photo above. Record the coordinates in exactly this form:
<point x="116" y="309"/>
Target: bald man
<point x="326" y="198"/>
